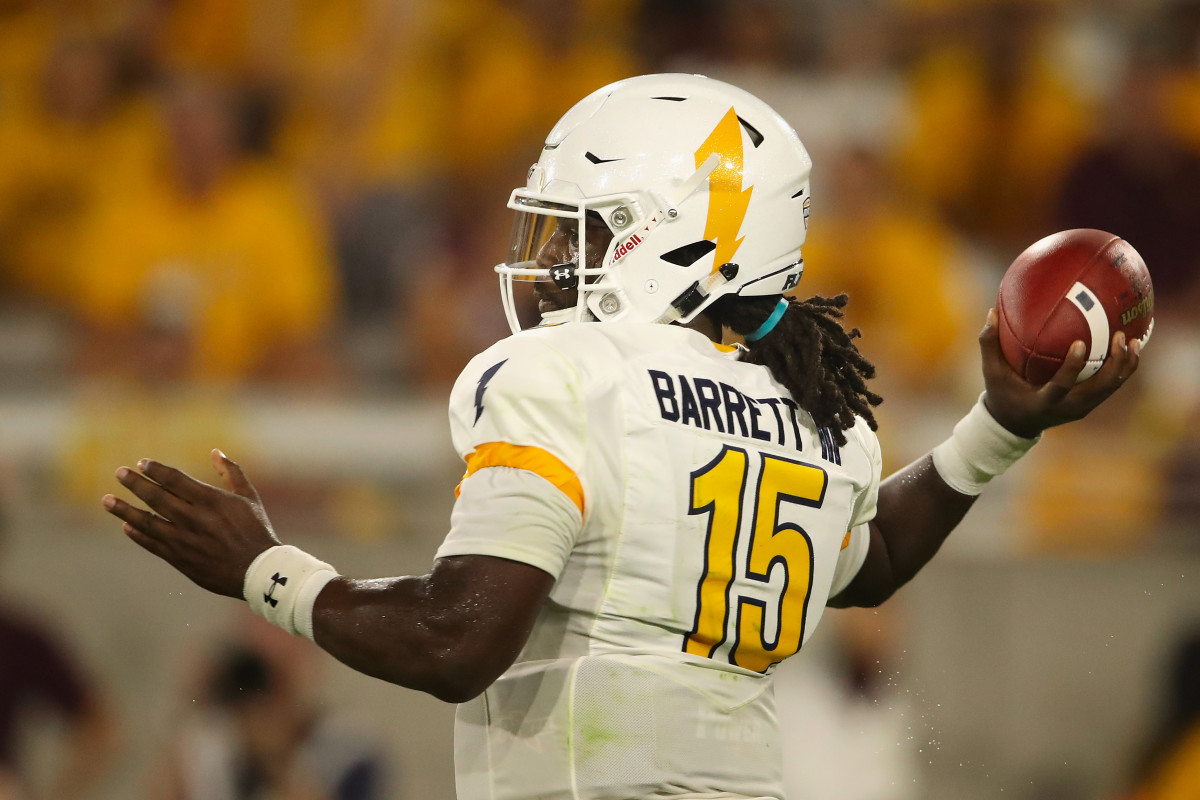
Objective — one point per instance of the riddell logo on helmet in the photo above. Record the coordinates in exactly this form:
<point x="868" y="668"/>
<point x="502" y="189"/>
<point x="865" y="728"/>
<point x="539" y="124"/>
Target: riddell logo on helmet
<point x="626" y="247"/>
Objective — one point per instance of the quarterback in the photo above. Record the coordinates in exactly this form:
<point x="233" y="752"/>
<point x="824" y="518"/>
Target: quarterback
<point x="650" y="519"/>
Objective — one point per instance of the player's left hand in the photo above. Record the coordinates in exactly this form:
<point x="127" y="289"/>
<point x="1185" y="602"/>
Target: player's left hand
<point x="1027" y="410"/>
<point x="209" y="534"/>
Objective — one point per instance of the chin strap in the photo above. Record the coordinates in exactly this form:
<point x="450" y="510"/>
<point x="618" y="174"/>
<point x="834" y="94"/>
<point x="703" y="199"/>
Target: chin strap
<point x="695" y="295"/>
<point x="559" y="316"/>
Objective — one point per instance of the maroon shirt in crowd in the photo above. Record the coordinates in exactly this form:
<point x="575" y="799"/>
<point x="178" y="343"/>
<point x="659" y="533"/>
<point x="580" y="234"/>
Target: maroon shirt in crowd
<point x="34" y="672"/>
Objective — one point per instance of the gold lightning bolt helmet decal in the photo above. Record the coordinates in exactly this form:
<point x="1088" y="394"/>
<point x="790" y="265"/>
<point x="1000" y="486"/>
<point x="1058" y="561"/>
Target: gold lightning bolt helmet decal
<point x="727" y="200"/>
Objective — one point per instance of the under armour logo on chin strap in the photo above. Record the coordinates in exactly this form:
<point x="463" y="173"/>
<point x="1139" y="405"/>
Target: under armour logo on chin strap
<point x="276" y="580"/>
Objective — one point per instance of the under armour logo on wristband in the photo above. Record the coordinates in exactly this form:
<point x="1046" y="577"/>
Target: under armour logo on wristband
<point x="276" y="580"/>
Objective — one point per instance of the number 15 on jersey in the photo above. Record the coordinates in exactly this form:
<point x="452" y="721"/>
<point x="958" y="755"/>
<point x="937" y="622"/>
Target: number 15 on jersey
<point x="765" y="584"/>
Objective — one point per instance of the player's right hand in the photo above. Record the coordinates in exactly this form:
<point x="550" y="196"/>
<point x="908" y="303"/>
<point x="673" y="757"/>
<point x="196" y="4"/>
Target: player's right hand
<point x="209" y="534"/>
<point x="1026" y="409"/>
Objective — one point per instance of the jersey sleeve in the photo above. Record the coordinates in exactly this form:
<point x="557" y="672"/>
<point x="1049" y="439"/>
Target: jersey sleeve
<point x="518" y="419"/>
<point x="867" y="498"/>
<point x="858" y="538"/>
<point x="850" y="560"/>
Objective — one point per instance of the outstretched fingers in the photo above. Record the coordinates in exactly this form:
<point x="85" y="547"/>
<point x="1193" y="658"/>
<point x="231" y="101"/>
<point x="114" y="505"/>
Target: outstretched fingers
<point x="153" y="494"/>
<point x="232" y="476"/>
<point x="175" y="481"/>
<point x="149" y="526"/>
<point x="1026" y="409"/>
<point x="211" y="539"/>
<point x="147" y="542"/>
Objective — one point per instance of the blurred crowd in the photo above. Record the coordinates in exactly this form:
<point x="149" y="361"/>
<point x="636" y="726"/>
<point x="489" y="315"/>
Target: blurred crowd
<point x="200" y="198"/>
<point x="311" y="193"/>
<point x="212" y="194"/>
<point x="265" y="190"/>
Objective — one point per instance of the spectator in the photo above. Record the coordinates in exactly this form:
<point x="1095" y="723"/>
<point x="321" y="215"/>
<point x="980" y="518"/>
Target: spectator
<point x="56" y="157"/>
<point x="999" y="111"/>
<point x="215" y="267"/>
<point x="447" y="335"/>
<point x="1140" y="182"/>
<point x="1170" y="765"/>
<point x="37" y="674"/>
<point x="27" y="32"/>
<point x="555" y="51"/>
<point x="901" y="266"/>
<point x="259" y="736"/>
<point x="365" y="101"/>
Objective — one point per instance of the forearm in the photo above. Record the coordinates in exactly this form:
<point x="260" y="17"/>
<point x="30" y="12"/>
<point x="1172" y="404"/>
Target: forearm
<point x="918" y="506"/>
<point x="388" y="628"/>
<point x="917" y="510"/>
<point x="449" y="633"/>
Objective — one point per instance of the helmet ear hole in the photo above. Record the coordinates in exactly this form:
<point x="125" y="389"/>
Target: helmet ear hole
<point x="690" y="253"/>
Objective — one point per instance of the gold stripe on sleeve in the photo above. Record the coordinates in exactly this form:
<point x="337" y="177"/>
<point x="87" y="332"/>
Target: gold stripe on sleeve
<point x="532" y="459"/>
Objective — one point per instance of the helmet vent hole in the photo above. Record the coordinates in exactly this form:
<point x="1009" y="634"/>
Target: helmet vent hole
<point x="798" y="194"/>
<point x="690" y="253"/>
<point x="595" y="159"/>
<point x="756" y="138"/>
<point x="672" y="99"/>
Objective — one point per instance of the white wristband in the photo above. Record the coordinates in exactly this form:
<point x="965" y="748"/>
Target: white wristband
<point x="979" y="450"/>
<point x="282" y="584"/>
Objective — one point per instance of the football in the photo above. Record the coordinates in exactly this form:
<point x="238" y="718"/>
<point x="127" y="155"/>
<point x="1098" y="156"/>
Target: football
<point x="1080" y="284"/>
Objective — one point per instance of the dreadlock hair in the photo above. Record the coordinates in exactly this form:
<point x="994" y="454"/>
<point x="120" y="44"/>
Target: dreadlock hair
<point x="810" y="353"/>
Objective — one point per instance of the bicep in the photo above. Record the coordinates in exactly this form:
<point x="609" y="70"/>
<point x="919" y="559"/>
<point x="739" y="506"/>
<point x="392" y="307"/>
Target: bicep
<point x="454" y="631"/>
<point x="449" y="633"/>
<point x="915" y="514"/>
<point x="874" y="576"/>
<point x="493" y="600"/>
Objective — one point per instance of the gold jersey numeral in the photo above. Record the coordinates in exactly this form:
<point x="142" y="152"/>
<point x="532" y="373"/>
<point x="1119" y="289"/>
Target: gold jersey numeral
<point x="718" y="490"/>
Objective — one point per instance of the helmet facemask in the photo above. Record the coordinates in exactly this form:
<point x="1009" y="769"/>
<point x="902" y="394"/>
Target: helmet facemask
<point x="549" y="235"/>
<point x="619" y="224"/>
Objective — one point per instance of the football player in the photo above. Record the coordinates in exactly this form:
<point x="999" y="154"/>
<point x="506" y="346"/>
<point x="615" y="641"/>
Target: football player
<point x="650" y="519"/>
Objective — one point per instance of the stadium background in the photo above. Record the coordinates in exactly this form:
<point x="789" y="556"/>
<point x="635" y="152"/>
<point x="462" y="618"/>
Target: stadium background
<point x="268" y="225"/>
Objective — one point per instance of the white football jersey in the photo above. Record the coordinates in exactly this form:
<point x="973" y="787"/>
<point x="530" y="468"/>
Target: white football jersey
<point x="696" y="521"/>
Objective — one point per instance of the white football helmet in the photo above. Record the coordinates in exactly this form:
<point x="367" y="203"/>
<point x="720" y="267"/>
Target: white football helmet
<point x="690" y="174"/>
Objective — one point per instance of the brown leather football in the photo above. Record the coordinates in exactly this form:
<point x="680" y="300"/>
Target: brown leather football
<point x="1080" y="284"/>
